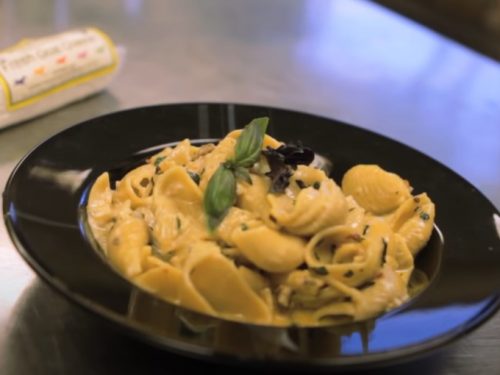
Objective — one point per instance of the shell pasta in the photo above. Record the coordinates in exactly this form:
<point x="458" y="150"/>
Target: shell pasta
<point x="287" y="245"/>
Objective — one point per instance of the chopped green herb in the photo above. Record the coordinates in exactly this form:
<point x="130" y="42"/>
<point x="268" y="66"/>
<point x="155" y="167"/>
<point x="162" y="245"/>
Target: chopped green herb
<point x="244" y="227"/>
<point x="161" y="255"/>
<point x="317" y="185"/>
<point x="300" y="184"/>
<point x="227" y="252"/>
<point x="365" y="285"/>
<point x="222" y="244"/>
<point x="355" y="237"/>
<point x="178" y="223"/>
<point x="316" y="255"/>
<point x="384" y="251"/>
<point x="424" y="216"/>
<point x="322" y="271"/>
<point x="136" y="191"/>
<point x="169" y="255"/>
<point x="158" y="160"/>
<point x="195" y="177"/>
<point x="349" y="273"/>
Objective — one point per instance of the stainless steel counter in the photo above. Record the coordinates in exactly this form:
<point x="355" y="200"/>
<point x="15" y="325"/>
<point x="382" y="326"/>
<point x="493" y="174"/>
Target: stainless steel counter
<point x="350" y="60"/>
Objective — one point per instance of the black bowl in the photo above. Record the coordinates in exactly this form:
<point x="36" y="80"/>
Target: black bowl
<point x="46" y="193"/>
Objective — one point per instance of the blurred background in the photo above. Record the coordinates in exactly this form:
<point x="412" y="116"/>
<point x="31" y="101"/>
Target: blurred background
<point x="475" y="23"/>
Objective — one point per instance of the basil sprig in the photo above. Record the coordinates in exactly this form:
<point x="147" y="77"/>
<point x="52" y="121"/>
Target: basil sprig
<point x="220" y="194"/>
<point x="249" y="144"/>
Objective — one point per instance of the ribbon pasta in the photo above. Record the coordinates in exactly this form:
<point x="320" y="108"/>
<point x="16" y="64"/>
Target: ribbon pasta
<point x="317" y="253"/>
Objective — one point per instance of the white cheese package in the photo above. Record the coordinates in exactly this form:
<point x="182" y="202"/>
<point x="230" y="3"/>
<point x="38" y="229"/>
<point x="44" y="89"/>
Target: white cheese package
<point x="40" y="75"/>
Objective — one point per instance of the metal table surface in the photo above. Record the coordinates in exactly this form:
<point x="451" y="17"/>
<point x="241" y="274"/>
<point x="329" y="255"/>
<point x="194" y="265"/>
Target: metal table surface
<point x="346" y="59"/>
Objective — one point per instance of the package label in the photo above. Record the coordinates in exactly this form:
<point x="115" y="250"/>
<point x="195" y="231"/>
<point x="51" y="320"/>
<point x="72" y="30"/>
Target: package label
<point x="31" y="70"/>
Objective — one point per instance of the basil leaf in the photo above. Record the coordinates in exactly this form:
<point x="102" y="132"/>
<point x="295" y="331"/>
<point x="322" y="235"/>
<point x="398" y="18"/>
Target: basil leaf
<point x="243" y="174"/>
<point x="158" y="160"/>
<point x="249" y="144"/>
<point x="220" y="195"/>
<point x="322" y="271"/>
<point x="155" y="251"/>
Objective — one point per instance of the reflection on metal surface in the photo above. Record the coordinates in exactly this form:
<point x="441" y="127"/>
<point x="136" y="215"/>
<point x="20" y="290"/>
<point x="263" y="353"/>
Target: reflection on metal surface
<point x="6" y="20"/>
<point x="441" y="85"/>
<point x="61" y="14"/>
<point x="359" y="53"/>
<point x="133" y="7"/>
<point x="246" y="340"/>
<point x="475" y="23"/>
<point x="16" y="275"/>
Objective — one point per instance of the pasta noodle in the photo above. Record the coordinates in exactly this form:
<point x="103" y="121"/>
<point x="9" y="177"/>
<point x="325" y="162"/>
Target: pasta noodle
<point x="291" y="247"/>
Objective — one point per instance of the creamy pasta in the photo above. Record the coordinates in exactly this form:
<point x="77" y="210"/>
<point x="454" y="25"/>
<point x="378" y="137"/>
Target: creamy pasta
<point x="259" y="235"/>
